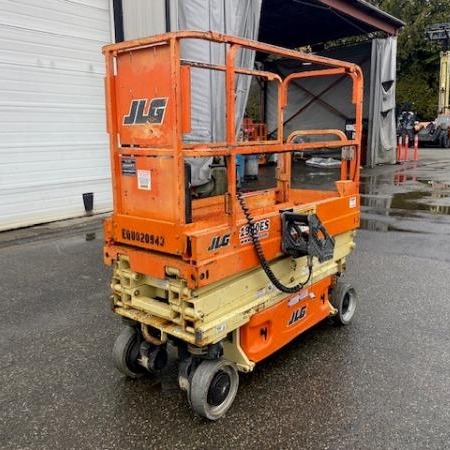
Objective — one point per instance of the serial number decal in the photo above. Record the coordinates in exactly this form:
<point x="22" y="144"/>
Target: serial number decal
<point x="261" y="227"/>
<point x="144" y="238"/>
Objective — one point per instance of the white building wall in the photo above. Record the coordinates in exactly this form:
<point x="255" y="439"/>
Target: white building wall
<point x="53" y="141"/>
<point x="143" y="18"/>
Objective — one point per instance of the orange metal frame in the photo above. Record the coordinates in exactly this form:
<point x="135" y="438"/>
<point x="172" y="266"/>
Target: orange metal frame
<point x="150" y="224"/>
<point x="272" y="328"/>
<point x="254" y="131"/>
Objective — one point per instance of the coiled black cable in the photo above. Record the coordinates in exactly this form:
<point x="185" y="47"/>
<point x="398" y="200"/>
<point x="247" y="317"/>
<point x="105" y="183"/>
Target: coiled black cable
<point x="262" y="259"/>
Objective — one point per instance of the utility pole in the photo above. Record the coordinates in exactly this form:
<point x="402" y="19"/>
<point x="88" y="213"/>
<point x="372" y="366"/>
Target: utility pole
<point x="440" y="32"/>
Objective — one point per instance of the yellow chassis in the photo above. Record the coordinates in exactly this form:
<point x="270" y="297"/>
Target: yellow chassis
<point x="207" y="315"/>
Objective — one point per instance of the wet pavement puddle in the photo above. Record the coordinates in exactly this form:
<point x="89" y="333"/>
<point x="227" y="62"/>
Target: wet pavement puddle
<point x="404" y="204"/>
<point x="90" y="236"/>
<point x="400" y="200"/>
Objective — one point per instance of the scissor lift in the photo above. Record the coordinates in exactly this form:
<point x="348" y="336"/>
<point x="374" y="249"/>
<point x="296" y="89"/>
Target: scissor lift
<point x="229" y="279"/>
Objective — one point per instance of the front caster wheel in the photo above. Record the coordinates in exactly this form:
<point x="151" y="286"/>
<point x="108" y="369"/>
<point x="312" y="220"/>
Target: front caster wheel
<point x="126" y="353"/>
<point x="213" y="388"/>
<point x="344" y="299"/>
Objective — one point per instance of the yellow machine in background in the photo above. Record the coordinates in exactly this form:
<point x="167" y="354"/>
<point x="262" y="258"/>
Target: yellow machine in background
<point x="444" y="83"/>
<point x="440" y="32"/>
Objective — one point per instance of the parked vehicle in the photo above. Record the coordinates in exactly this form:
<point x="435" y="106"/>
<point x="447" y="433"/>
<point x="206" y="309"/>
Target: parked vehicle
<point x="436" y="133"/>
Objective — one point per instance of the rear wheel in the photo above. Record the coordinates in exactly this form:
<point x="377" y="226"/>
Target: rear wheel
<point x="126" y="353"/>
<point x="344" y="299"/>
<point x="213" y="388"/>
<point x="184" y="374"/>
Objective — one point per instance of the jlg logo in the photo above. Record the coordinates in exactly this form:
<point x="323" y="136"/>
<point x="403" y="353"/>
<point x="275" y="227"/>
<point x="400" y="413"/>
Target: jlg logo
<point x="297" y="315"/>
<point x="144" y="111"/>
<point x="219" y="242"/>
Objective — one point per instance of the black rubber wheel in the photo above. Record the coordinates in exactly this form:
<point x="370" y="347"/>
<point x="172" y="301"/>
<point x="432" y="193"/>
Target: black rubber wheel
<point x="184" y="374"/>
<point x="213" y="388"/>
<point x="344" y="299"/>
<point x="126" y="352"/>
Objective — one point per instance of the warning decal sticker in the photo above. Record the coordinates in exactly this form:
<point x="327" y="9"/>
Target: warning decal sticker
<point x="128" y="166"/>
<point x="144" y="180"/>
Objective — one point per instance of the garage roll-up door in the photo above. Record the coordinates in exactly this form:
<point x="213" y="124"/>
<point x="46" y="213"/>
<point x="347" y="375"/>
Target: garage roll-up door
<point x="53" y="143"/>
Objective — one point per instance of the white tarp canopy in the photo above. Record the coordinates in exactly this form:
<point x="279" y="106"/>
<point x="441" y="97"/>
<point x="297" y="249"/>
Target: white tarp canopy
<point x="318" y="103"/>
<point x="236" y="17"/>
<point x="382" y="140"/>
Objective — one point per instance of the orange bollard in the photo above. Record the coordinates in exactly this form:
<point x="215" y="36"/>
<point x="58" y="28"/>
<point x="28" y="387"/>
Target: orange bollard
<point x="416" y="148"/>
<point x="399" y="149"/>
<point x="406" y="156"/>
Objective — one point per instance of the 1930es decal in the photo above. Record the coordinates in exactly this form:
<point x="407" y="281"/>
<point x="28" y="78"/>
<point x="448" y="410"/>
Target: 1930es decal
<point x="261" y="228"/>
<point x="143" y="111"/>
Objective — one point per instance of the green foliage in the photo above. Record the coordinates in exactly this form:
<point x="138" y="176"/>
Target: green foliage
<point x="418" y="58"/>
<point x="417" y="90"/>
